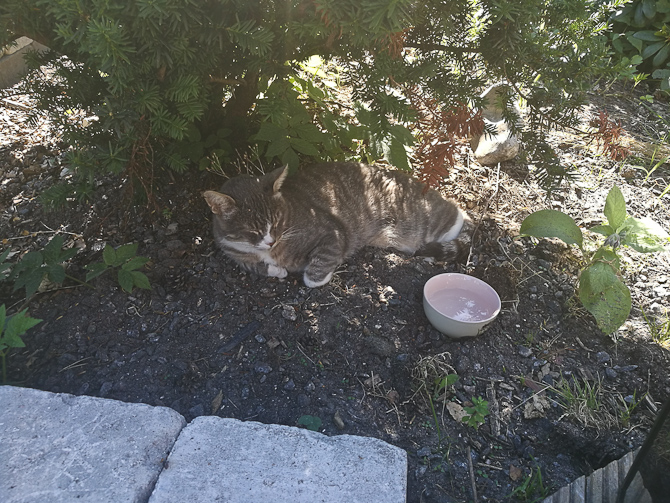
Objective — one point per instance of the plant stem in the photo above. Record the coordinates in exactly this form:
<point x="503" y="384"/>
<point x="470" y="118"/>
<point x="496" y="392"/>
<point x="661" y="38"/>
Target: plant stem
<point x="437" y="424"/>
<point x="79" y="281"/>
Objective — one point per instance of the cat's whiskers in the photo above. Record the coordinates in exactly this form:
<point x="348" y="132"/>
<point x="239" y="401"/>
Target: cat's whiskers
<point x="287" y="234"/>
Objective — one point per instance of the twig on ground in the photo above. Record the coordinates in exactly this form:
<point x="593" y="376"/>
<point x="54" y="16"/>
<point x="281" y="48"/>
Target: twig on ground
<point x="472" y="476"/>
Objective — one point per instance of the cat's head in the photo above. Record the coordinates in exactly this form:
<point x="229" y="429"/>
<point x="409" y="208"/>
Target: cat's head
<point x="246" y="211"/>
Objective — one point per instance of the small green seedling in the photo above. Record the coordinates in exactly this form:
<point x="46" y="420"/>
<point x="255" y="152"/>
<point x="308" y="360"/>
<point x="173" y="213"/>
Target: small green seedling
<point x="36" y="265"/>
<point x="443" y="383"/>
<point x="11" y="330"/>
<point x="477" y="413"/>
<point x="126" y="260"/>
<point x="532" y="489"/>
<point x="601" y="290"/>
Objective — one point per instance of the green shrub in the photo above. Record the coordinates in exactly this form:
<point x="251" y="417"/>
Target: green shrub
<point x="173" y="83"/>
<point x="640" y="32"/>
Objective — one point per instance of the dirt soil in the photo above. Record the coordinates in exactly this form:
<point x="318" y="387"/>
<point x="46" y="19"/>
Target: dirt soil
<point x="358" y="353"/>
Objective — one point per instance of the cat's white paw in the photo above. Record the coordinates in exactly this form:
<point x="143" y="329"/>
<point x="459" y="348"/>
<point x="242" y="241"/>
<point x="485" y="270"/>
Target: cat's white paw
<point x="277" y="272"/>
<point x="313" y="284"/>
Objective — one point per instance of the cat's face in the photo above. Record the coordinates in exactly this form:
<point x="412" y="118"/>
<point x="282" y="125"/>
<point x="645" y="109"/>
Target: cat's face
<point x="246" y="212"/>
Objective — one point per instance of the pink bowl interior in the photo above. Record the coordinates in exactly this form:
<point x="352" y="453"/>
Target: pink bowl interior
<point x="462" y="298"/>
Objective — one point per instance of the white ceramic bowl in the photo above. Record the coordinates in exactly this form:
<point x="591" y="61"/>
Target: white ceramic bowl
<point x="459" y="305"/>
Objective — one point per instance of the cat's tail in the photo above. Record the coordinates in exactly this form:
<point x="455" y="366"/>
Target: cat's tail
<point x="455" y="250"/>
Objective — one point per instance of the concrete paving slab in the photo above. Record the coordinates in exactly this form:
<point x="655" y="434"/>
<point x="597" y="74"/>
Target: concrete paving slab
<point x="60" y="448"/>
<point x="226" y="460"/>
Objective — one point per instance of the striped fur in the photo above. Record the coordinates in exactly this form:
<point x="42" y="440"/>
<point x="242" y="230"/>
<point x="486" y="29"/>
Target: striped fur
<point x="311" y="222"/>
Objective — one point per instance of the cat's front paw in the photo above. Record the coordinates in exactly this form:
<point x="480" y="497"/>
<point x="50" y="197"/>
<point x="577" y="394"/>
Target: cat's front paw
<point x="277" y="272"/>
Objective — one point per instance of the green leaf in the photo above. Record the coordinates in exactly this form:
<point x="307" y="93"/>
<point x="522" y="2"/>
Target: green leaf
<point x="661" y="56"/>
<point x="125" y="279"/>
<point x="639" y="18"/>
<point x="277" y="148"/>
<point x="312" y="423"/>
<point x="615" y="208"/>
<point x="664" y="76"/>
<point x="396" y="154"/>
<point x="290" y="158"/>
<point x="402" y="134"/>
<point x="552" y="224"/>
<point x="126" y="252"/>
<point x="109" y="255"/>
<point x="270" y="132"/>
<point x="605" y="230"/>
<point x="607" y="255"/>
<point x="604" y="295"/>
<point x="649" y="8"/>
<point x="134" y="263"/>
<point x="140" y="280"/>
<point x="635" y="42"/>
<point x="310" y="133"/>
<point x="95" y="270"/>
<point x="52" y="250"/>
<point x="56" y="273"/>
<point x="644" y="235"/>
<point x="303" y="146"/>
<point x="31" y="280"/>
<point x="652" y="49"/>
<point x="647" y="36"/>
<point x="16" y="326"/>
<point x="31" y="260"/>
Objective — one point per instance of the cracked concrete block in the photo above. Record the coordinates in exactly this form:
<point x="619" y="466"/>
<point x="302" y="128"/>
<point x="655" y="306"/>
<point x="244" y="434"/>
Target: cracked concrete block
<point x="216" y="459"/>
<point x="61" y="448"/>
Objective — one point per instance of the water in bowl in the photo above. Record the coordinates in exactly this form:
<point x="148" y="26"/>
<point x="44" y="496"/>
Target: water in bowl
<point x="461" y="304"/>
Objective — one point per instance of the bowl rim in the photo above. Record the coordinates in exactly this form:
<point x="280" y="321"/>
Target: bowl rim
<point x="475" y="280"/>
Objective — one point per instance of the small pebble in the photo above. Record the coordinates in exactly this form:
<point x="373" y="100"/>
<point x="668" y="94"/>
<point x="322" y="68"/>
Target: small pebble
<point x="262" y="368"/>
<point x="525" y="352"/>
<point x="602" y="357"/>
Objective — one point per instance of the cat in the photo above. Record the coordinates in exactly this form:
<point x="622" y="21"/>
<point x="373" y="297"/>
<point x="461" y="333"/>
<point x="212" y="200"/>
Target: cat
<point x="310" y="222"/>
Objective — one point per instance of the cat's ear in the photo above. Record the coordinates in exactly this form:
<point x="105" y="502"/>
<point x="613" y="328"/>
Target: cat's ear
<point x="277" y="178"/>
<point x="220" y="204"/>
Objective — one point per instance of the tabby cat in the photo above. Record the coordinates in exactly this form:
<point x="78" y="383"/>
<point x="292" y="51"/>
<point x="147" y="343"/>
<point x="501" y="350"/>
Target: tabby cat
<point x="312" y="221"/>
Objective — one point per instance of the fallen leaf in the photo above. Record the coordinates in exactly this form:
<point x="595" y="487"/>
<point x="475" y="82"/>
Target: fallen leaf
<point x="216" y="403"/>
<point x="515" y="473"/>
<point x="393" y="396"/>
<point x="533" y="385"/>
<point x="536" y="407"/>
<point x="456" y="411"/>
